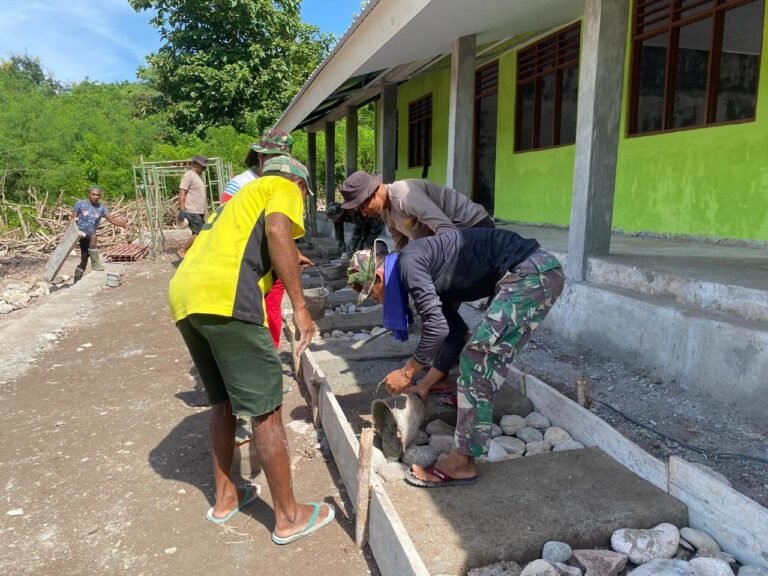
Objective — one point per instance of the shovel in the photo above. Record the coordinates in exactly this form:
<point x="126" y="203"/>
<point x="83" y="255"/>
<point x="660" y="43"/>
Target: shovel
<point x="375" y="333"/>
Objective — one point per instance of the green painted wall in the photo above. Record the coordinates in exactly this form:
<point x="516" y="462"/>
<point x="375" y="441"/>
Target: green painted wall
<point x="710" y="182"/>
<point x="532" y="186"/>
<point x="438" y="82"/>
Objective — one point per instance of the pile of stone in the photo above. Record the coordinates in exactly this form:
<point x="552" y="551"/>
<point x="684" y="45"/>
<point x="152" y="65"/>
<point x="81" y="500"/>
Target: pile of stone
<point x="660" y="551"/>
<point x="19" y="295"/>
<point x="513" y="437"/>
<point x="352" y="309"/>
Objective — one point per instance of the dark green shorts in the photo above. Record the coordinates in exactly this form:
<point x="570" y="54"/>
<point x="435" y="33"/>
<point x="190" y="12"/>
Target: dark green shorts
<point x="237" y="361"/>
<point x="196" y="222"/>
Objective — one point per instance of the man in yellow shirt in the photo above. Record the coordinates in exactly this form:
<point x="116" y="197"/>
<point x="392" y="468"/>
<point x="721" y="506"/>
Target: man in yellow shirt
<point x="217" y="302"/>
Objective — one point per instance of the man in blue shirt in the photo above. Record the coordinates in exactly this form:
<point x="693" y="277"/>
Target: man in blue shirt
<point x="88" y="214"/>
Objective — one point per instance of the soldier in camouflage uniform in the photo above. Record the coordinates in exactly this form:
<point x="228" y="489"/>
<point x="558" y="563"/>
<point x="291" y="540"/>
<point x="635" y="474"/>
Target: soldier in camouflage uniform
<point x="365" y="230"/>
<point x="524" y="281"/>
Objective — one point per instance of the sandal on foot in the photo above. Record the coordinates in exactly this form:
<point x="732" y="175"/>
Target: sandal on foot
<point x="445" y="479"/>
<point x="251" y="493"/>
<point x="311" y="526"/>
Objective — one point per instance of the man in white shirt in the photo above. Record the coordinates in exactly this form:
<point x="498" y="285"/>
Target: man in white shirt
<point x="192" y="202"/>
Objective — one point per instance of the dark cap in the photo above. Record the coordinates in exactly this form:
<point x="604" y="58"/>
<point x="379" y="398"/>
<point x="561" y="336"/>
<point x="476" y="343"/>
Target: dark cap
<point x="358" y="188"/>
<point x="202" y="160"/>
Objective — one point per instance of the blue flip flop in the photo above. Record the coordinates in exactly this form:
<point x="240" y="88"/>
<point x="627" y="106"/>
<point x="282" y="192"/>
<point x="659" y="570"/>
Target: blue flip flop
<point x="251" y="493"/>
<point x="310" y="527"/>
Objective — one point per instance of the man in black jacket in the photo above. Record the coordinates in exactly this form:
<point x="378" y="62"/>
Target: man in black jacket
<point x="437" y="271"/>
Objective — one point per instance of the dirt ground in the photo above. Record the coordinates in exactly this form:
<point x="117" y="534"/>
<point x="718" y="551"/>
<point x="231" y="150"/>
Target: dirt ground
<point x="105" y="463"/>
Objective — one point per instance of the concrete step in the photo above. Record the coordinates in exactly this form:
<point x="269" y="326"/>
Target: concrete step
<point x="579" y="497"/>
<point x="724" y="295"/>
<point x="721" y="354"/>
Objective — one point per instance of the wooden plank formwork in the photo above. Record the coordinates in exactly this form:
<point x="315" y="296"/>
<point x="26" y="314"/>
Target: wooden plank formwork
<point x="60" y="254"/>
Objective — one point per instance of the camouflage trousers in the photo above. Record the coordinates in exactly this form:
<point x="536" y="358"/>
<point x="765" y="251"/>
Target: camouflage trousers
<point x="523" y="298"/>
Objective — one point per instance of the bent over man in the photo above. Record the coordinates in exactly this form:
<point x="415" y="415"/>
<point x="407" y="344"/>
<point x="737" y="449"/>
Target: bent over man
<point x="217" y="301"/>
<point x="524" y="280"/>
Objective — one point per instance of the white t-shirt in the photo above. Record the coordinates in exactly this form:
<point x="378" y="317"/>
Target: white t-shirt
<point x="234" y="185"/>
<point x="195" y="187"/>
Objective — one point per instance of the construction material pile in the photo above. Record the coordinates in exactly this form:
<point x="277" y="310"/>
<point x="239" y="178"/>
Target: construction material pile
<point x="34" y="227"/>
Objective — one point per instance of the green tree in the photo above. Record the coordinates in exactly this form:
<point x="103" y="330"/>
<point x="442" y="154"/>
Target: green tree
<point x="230" y="62"/>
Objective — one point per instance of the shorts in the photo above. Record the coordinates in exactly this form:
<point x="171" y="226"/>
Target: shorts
<point x="196" y="222"/>
<point x="236" y="361"/>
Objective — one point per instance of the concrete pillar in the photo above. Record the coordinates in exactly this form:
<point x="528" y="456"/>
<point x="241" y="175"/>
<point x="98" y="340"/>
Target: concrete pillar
<point x="312" y="165"/>
<point x="388" y="132"/>
<point x="461" y="115"/>
<point x="601" y="77"/>
<point x="351" y="141"/>
<point x="330" y="161"/>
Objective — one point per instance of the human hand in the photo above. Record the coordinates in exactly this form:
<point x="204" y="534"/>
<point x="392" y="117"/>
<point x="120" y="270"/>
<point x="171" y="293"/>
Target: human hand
<point x="306" y="328"/>
<point x="397" y="381"/>
<point x="182" y="216"/>
<point x="304" y="262"/>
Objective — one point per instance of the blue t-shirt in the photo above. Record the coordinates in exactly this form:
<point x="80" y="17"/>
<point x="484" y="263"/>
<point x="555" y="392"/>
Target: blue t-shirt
<point x="89" y="216"/>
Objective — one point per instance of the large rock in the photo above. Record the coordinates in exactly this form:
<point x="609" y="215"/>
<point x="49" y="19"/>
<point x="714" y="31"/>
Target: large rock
<point x="555" y="435"/>
<point x="753" y="571"/>
<point x="511" y="445"/>
<point x="664" y="568"/>
<point x="566" y="570"/>
<point x="600" y="562"/>
<point x="439" y="427"/>
<point x="16" y="298"/>
<point x="442" y="443"/>
<point x="496" y="431"/>
<point x="511" y="424"/>
<point x="540" y="568"/>
<point x="421" y="438"/>
<point x="500" y="569"/>
<point x="701" y="541"/>
<point x="536" y="420"/>
<point x="555" y="552"/>
<point x="420" y="455"/>
<point x="496" y="452"/>
<point x="510" y="401"/>
<point x="530" y="435"/>
<point x="392" y="471"/>
<point x="533" y="448"/>
<point x="642" y="546"/>
<point x="711" y="567"/>
<point x="5" y="308"/>
<point x="568" y="445"/>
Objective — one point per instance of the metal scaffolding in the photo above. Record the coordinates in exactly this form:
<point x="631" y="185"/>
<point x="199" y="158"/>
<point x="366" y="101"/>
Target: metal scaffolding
<point x="151" y="182"/>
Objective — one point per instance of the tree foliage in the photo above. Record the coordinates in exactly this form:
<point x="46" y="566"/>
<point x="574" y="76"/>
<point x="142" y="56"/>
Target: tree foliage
<point x="230" y="62"/>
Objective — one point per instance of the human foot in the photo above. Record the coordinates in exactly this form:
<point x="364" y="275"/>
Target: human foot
<point x="309" y="517"/>
<point x="455" y="466"/>
<point x="226" y="508"/>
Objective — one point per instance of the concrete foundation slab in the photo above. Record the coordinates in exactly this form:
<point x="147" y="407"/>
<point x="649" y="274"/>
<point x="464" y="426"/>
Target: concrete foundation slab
<point x="579" y="497"/>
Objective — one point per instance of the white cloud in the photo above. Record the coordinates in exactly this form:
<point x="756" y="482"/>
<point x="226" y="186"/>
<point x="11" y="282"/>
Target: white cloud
<point x="102" y="39"/>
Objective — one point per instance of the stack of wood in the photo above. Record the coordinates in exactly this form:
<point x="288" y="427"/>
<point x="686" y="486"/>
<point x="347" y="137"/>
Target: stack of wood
<point x="40" y="222"/>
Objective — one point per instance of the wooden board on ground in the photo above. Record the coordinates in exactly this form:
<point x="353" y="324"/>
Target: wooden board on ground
<point x="739" y="524"/>
<point x="59" y="256"/>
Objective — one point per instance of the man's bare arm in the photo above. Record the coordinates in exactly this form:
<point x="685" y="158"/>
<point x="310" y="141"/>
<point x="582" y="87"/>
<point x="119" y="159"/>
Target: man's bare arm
<point x="285" y="260"/>
<point x="116" y="222"/>
<point x="182" y="199"/>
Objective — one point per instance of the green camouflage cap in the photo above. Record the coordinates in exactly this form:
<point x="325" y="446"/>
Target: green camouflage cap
<point x="361" y="273"/>
<point x="274" y="142"/>
<point x="288" y="165"/>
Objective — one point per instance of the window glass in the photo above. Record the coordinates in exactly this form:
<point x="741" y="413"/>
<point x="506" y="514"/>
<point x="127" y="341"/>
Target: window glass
<point x="568" y="106"/>
<point x="547" y="123"/>
<point x="526" y="93"/>
<point x="691" y="74"/>
<point x="740" y="63"/>
<point x="650" y="101"/>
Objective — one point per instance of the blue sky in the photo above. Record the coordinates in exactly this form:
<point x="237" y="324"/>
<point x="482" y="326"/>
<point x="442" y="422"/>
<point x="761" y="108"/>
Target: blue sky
<point x="106" y="40"/>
